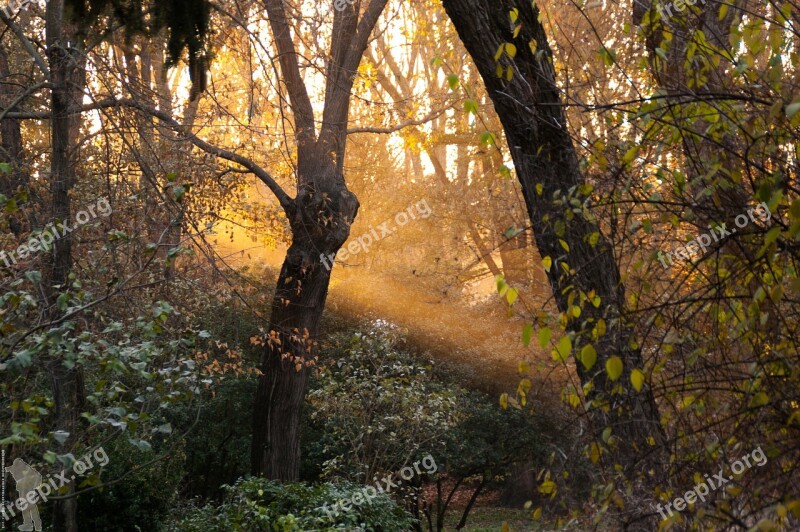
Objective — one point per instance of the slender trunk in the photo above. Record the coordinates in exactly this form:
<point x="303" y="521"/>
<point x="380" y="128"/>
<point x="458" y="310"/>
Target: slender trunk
<point x="11" y="134"/>
<point x="463" y="521"/>
<point x="67" y="77"/>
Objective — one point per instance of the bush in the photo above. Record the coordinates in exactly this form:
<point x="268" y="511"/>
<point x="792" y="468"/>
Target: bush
<point x="377" y="407"/>
<point x="142" y="501"/>
<point x="257" y="504"/>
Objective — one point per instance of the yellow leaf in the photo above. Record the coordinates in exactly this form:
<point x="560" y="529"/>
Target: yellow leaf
<point x="537" y="513"/>
<point x="562" y="350"/>
<point x="504" y="401"/>
<point x="588" y="356"/>
<point x="547" y="487"/>
<point x="594" y="452"/>
<point x="599" y="329"/>
<point x="523" y="367"/>
<point x="614" y="367"/>
<point x="544" y="337"/>
<point x="637" y="379"/>
<point x="511" y="295"/>
<point x="511" y="50"/>
<point x="547" y="262"/>
<point x="514" y="14"/>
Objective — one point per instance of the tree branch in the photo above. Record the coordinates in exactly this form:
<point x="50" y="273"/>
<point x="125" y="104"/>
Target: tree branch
<point x="397" y="127"/>
<point x="283" y="198"/>
<point x="26" y="43"/>
<point x="287" y="55"/>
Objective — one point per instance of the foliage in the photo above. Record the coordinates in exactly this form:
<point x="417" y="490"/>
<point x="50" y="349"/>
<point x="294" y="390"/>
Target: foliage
<point x="146" y="497"/>
<point x="377" y="406"/>
<point x="257" y="504"/>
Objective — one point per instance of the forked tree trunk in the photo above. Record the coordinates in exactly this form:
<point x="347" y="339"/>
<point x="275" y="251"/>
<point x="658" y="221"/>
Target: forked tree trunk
<point x="320" y="218"/>
<point x="320" y="225"/>
<point x="530" y="110"/>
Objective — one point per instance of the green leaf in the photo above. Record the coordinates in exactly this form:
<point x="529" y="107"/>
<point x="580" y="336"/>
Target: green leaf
<point x="614" y="367"/>
<point x="544" y="337"/>
<point x="588" y="356"/>
<point x="563" y="349"/>
<point x="527" y="332"/>
<point x="501" y="284"/>
<point x="452" y="81"/>
<point x="772" y="236"/>
<point x="792" y="109"/>
<point x="471" y="106"/>
<point x="511" y="295"/>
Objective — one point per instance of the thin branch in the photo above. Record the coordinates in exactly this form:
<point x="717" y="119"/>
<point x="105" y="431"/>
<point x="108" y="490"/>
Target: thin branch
<point x="397" y="127"/>
<point x="283" y="198"/>
<point x="287" y="55"/>
<point x="28" y="91"/>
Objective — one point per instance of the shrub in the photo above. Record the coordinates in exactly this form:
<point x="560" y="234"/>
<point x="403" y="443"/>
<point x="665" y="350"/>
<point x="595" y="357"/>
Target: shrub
<point x="257" y="504"/>
<point x="377" y="407"/>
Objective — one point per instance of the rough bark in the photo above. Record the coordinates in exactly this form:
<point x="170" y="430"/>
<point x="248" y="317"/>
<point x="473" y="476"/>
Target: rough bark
<point x="530" y="109"/>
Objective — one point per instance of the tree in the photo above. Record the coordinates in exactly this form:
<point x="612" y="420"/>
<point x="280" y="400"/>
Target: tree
<point x="510" y="48"/>
<point x="320" y="217"/>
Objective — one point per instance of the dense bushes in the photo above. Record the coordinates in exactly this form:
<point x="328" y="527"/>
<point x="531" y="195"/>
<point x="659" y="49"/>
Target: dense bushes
<point x="257" y="504"/>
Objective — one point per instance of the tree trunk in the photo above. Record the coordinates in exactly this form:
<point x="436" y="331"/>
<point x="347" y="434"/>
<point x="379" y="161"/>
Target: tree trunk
<point x="12" y="150"/>
<point x="320" y="218"/>
<point x="530" y="110"/>
<point x="68" y="78"/>
<point x="320" y="226"/>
